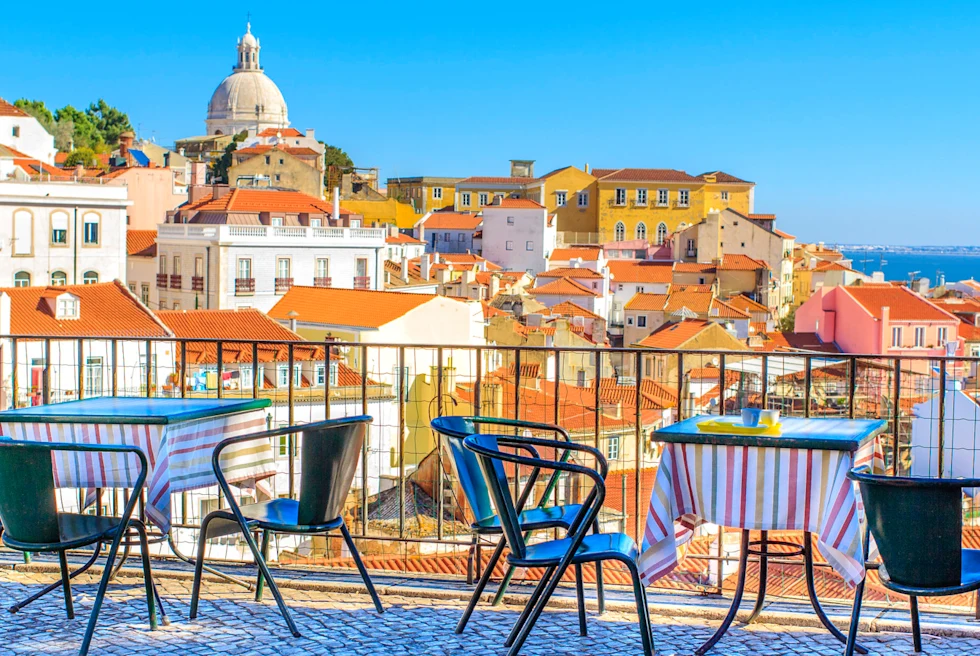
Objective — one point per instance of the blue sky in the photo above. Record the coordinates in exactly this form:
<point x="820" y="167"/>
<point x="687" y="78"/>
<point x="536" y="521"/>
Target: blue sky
<point x="859" y="124"/>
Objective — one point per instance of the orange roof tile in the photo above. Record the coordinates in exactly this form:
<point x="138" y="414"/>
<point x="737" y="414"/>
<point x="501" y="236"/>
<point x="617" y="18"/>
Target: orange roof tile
<point x="571" y="272"/>
<point x="563" y="287"/>
<point x="903" y="303"/>
<point x="721" y="176"/>
<point x="569" y="309"/>
<point x="673" y="335"/>
<point x="647" y="302"/>
<point x="402" y="238"/>
<point x="478" y="179"/>
<point x="141" y="243"/>
<point x="648" y="272"/>
<point x="695" y="301"/>
<point x="587" y="253"/>
<point x="517" y="204"/>
<point x="782" y="234"/>
<point x="726" y="311"/>
<point x="741" y="262"/>
<point x="644" y="175"/>
<point x="6" y="109"/>
<point x="260" y="200"/>
<point x="264" y="148"/>
<point x="452" y="221"/>
<point x="106" y="309"/>
<point x="356" y="308"/>
<point x="824" y="265"/>
<point x="285" y="132"/>
<point x="746" y="304"/>
<point x="763" y="217"/>
<point x="694" y="267"/>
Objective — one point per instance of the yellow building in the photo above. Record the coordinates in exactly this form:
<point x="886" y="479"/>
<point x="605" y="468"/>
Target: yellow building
<point x="424" y="193"/>
<point x="570" y="194"/>
<point x="653" y="203"/>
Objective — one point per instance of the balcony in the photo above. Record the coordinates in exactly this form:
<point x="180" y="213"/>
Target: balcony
<point x="161" y="281"/>
<point x="244" y="286"/>
<point x="362" y="282"/>
<point x="175" y="281"/>
<point x="197" y="283"/>
<point x="322" y="281"/>
<point x="283" y="285"/>
<point x="275" y="235"/>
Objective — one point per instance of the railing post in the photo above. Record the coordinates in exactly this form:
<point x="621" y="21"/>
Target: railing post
<point x="81" y="369"/>
<point x="149" y="368"/>
<point x="256" y="385"/>
<point x="115" y="368"/>
<point x="478" y="388"/>
<point x="13" y="371"/>
<point x="897" y="414"/>
<point x="807" y="380"/>
<point x="402" y="393"/>
<point x="440" y="501"/>
<point x="221" y="358"/>
<point x="765" y="381"/>
<point x="722" y="387"/>
<point x="680" y="387"/>
<point x="942" y="417"/>
<point x="557" y="414"/>
<point x="638" y="438"/>
<point x="290" y="446"/>
<point x="597" y="410"/>
<point x="46" y="392"/>
<point x="364" y="447"/>
<point x="326" y="379"/>
<point x="852" y="387"/>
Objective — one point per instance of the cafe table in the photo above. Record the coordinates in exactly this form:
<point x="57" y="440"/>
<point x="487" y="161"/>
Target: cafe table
<point x="793" y="477"/>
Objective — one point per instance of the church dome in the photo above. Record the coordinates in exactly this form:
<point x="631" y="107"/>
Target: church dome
<point x="247" y="98"/>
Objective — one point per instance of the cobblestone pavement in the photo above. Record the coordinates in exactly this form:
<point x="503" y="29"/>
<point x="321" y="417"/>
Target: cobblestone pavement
<point x="231" y="622"/>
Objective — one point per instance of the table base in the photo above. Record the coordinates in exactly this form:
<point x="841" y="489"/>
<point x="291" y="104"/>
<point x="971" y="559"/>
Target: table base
<point x="806" y="551"/>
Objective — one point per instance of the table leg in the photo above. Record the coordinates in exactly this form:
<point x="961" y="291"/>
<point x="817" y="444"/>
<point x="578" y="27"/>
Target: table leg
<point x="760" y="598"/>
<point x="210" y="570"/>
<point x="743" y="560"/>
<point x="811" y="590"/>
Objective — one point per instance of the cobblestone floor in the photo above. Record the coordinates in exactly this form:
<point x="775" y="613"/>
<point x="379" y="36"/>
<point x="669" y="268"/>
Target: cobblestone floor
<point x="232" y="623"/>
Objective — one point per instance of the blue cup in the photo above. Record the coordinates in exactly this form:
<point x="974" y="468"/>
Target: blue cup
<point x="751" y="416"/>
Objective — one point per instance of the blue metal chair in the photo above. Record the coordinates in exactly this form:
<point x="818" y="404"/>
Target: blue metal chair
<point x="33" y="524"/>
<point x="486" y="523"/>
<point x="917" y="524"/>
<point x="330" y="451"/>
<point x="577" y="548"/>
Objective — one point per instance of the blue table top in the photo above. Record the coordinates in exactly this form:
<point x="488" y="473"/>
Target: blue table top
<point x="829" y="434"/>
<point x="130" y="410"/>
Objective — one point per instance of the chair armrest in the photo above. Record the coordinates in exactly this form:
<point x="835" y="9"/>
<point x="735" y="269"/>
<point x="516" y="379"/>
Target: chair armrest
<point x="518" y="423"/>
<point x="603" y="465"/>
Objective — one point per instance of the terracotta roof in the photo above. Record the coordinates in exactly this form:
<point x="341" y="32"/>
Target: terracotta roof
<point x="452" y="221"/>
<point x="61" y="157"/>
<point x="746" y="304"/>
<point x="646" y="302"/>
<point x="10" y="151"/>
<point x="587" y="253"/>
<point x="824" y="265"/>
<point x="467" y="259"/>
<point x="285" y="132"/>
<point x="569" y="309"/>
<point x="968" y="331"/>
<point x="741" y="262"/>
<point x="694" y="267"/>
<point x="782" y="234"/>
<point x="490" y="311"/>
<point x="726" y="311"/>
<point x="478" y="179"/>
<point x="644" y="175"/>
<point x="563" y="287"/>
<point x="965" y="305"/>
<point x="358" y="308"/>
<point x="904" y="304"/>
<point x="660" y="393"/>
<point x="673" y="335"/>
<point x="264" y="148"/>
<point x="6" y="109"/>
<point x="258" y="200"/>
<point x="106" y="309"/>
<point x="721" y="176"/>
<point x="764" y="217"/>
<point x="699" y="302"/>
<point x="650" y="272"/>
<point x="402" y="238"/>
<point x="141" y="243"/>
<point x="571" y="272"/>
<point x="516" y="203"/>
<point x="690" y="288"/>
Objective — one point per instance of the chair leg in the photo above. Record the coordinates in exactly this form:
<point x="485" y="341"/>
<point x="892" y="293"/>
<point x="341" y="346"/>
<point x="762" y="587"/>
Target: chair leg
<point x="852" y="630"/>
<point x="360" y="567"/>
<point x="580" y="593"/>
<point x="265" y="554"/>
<point x="600" y="588"/>
<point x="529" y="606"/>
<point x="643" y="610"/>
<point x="543" y="598"/>
<point x="199" y="566"/>
<point x="916" y="631"/>
<point x="481" y="586"/>
<point x="147" y="574"/>
<point x="273" y="588"/>
<point x="96" y="552"/>
<point x="498" y="597"/>
<point x="100" y="595"/>
<point x="469" y="560"/>
<point x="66" y="584"/>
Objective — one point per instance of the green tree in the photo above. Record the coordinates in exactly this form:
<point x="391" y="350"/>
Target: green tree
<point x="84" y="134"/>
<point x="84" y="156"/>
<point x="787" y="324"/>
<point x="109" y="121"/>
<point x="37" y="109"/>
<point x="219" y="167"/>
<point x="334" y="156"/>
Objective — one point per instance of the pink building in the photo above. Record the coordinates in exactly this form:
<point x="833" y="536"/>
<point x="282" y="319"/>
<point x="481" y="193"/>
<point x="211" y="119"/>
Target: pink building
<point x="877" y="319"/>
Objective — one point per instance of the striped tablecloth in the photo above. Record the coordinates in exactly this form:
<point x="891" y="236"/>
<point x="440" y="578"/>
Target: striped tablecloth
<point x="757" y="488"/>
<point x="179" y="455"/>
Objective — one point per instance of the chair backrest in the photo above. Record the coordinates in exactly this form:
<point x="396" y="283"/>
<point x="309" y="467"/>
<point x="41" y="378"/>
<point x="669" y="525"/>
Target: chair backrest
<point x="484" y="447"/>
<point x="28" y="508"/>
<point x="330" y="452"/>
<point x="917" y="524"/>
<point x="464" y="462"/>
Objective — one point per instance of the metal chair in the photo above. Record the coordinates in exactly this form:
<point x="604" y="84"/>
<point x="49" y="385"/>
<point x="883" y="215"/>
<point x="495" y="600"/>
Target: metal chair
<point x="330" y="451"/>
<point x="577" y="548"/>
<point x="486" y="523"/>
<point x="917" y="524"/>
<point x="33" y="524"/>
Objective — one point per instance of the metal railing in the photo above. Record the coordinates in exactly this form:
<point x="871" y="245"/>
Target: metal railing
<point x="405" y="501"/>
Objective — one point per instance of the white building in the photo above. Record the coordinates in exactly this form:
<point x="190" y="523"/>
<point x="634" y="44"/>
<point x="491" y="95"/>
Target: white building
<point x="961" y="438"/>
<point x="22" y="132"/>
<point x="290" y="137"/>
<point x="141" y="266"/>
<point x="61" y="233"/>
<point x="519" y="235"/>
<point x="242" y="248"/>
<point x="632" y="277"/>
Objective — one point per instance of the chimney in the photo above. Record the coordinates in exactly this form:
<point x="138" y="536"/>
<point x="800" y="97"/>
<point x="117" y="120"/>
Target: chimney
<point x="166" y="159"/>
<point x="292" y="314"/>
<point x="494" y="285"/>
<point x="813" y="263"/>
<point x="404" y="274"/>
<point x="586" y="167"/>
<point x="79" y="170"/>
<point x="534" y="320"/>
<point x="493" y="400"/>
<point x="336" y="204"/>
<point x="309" y="133"/>
<point x="219" y="190"/>
<point x="347" y="184"/>
<point x="125" y="143"/>
<point x="198" y="173"/>
<point x="435" y="258"/>
<point x="424" y="265"/>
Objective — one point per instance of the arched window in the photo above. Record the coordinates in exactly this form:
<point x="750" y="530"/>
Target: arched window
<point x="661" y="233"/>
<point x="641" y="230"/>
<point x="90" y="277"/>
<point x="620" y="231"/>
<point x="59" y="278"/>
<point x="22" y="279"/>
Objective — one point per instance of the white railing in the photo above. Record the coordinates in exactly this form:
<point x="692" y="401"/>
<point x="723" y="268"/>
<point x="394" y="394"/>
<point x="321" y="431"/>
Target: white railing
<point x="304" y="233"/>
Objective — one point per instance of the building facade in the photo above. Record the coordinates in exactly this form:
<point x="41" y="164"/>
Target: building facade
<point x="25" y="134"/>
<point x="519" y="234"/>
<point x="424" y="193"/>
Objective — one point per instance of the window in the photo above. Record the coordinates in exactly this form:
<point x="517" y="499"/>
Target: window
<point x="663" y="197"/>
<point x="316" y="223"/>
<point x="132" y="287"/>
<point x="145" y="294"/>
<point x="23" y="232"/>
<point x="461" y="237"/>
<point x="629" y="321"/>
<point x="282" y="267"/>
<point x="163" y="264"/>
<point x="277" y="221"/>
<point x="620" y="196"/>
<point x="941" y="336"/>
<point x="176" y="265"/>
<point x="641" y="321"/>
<point x="320" y="375"/>
<point x="22" y="279"/>
<point x="465" y="199"/>
<point x="437" y="193"/>
<point x="15" y="132"/>
<point x="199" y="266"/>
<point x="268" y="160"/>
<point x="641" y="230"/>
<point x="361" y="267"/>
<point x="583" y="199"/>
<point x="620" y="231"/>
<point x="724" y="196"/>
<point x="93" y="375"/>
<point x="445" y="236"/>
<point x="561" y="198"/>
<point x="683" y="197"/>
<point x="920" y="336"/>
<point x="281" y="161"/>
<point x="510" y="220"/>
<point x="484" y="198"/>
<point x="245" y="376"/>
<point x="529" y="246"/>
<point x="176" y="305"/>
<point x="640" y="289"/>
<point x="162" y="304"/>
<point x="59" y="278"/>
<point x="59" y="228"/>
<point x="612" y="448"/>
<point x="333" y="373"/>
<point x="279" y="177"/>
<point x="690" y="244"/>
<point x="282" y="377"/>
<point x="662" y="233"/>
<point x="897" y="336"/>
<point x="641" y="196"/>
<point x="510" y="245"/>
<point x="244" y="267"/>
<point x="90" y="278"/>
<point x="322" y="267"/>
<point x="90" y="223"/>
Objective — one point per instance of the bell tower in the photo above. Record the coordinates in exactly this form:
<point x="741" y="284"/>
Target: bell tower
<point x="248" y="52"/>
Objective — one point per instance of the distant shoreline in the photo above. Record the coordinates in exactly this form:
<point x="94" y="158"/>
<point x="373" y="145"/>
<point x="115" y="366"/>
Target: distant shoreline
<point x="962" y="251"/>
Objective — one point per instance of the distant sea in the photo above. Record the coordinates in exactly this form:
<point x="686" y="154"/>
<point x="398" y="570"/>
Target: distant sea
<point x="897" y="265"/>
